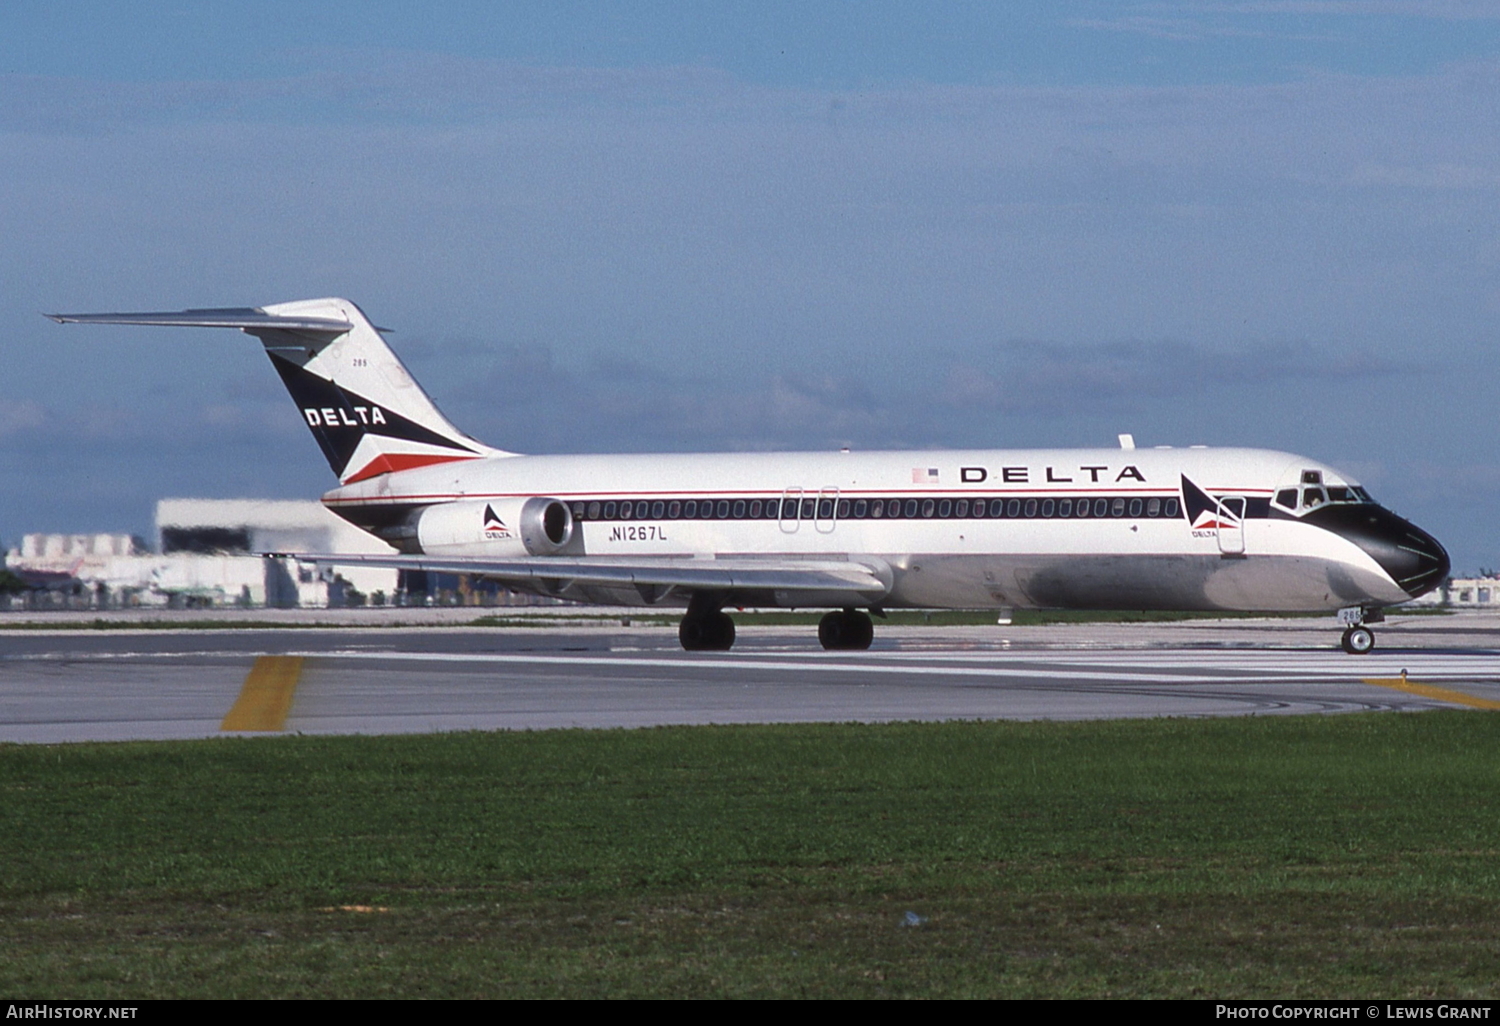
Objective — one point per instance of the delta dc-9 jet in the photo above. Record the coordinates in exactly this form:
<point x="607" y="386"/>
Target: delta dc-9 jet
<point x="1197" y="528"/>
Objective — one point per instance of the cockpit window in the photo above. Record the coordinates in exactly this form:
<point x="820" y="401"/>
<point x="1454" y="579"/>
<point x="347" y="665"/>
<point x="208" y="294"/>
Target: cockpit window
<point x="1315" y="497"/>
<point x="1352" y="493"/>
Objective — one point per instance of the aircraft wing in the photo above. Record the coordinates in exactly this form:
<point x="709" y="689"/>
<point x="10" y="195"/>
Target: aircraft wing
<point x="865" y="581"/>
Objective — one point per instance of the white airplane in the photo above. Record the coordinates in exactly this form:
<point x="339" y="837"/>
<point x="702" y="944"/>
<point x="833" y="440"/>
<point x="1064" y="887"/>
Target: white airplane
<point x="1163" y="529"/>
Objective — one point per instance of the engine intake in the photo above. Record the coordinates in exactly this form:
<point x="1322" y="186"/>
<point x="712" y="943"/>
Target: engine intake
<point x="537" y="526"/>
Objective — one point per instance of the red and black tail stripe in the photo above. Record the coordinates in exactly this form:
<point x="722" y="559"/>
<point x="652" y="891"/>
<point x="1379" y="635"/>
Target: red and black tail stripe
<point x="339" y="419"/>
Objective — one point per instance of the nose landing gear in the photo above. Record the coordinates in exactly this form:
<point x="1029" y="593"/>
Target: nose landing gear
<point x="1359" y="639"/>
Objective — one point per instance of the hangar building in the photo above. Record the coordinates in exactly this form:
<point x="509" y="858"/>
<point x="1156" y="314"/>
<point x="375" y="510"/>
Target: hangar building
<point x="206" y="555"/>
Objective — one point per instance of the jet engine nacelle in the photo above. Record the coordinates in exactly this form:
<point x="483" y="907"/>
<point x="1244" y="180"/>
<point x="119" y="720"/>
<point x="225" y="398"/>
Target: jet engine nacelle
<point x="499" y="527"/>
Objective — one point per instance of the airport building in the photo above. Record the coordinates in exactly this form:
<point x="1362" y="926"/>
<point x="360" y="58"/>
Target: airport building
<point x="243" y="527"/>
<point x="1464" y="593"/>
<point x="207" y="554"/>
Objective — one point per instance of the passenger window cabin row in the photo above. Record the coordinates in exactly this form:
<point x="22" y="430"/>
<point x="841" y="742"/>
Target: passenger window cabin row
<point x="827" y="508"/>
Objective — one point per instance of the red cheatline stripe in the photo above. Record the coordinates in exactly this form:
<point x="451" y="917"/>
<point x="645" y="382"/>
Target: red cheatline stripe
<point x="895" y="493"/>
<point x="386" y="463"/>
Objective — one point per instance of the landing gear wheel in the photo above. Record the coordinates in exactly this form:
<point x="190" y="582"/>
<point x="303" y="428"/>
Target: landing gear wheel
<point x="846" y="630"/>
<point x="1358" y="640"/>
<point x="863" y="631"/>
<point x="707" y="632"/>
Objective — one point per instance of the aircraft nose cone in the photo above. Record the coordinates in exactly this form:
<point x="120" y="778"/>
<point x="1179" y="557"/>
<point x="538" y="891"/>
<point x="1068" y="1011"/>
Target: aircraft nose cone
<point x="1422" y="563"/>
<point x="1414" y="559"/>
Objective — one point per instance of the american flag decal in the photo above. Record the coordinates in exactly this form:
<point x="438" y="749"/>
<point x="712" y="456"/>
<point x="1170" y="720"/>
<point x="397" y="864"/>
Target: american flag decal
<point x="919" y="475"/>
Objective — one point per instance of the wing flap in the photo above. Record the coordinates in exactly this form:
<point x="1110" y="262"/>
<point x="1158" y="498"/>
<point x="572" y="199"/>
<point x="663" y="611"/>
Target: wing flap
<point x="690" y="574"/>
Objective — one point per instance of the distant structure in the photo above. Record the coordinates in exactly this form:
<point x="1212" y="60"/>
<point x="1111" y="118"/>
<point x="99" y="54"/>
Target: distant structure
<point x="1473" y="591"/>
<point x="206" y="556"/>
<point x="240" y="528"/>
<point x="1464" y="593"/>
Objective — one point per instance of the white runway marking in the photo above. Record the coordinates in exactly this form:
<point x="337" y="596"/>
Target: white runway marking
<point x="93" y="686"/>
<point x="1116" y="666"/>
<point x="841" y="664"/>
<point x="1156" y="666"/>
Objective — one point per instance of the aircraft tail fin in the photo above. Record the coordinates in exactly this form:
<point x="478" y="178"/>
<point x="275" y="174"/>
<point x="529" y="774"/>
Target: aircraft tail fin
<point x="368" y="414"/>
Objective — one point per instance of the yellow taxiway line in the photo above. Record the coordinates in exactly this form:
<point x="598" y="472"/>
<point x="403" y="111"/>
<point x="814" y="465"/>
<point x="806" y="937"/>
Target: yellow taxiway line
<point x="267" y="695"/>
<point x="1428" y="691"/>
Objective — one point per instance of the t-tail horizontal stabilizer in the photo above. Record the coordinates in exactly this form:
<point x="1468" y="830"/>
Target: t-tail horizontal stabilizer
<point x="368" y="414"/>
<point x="247" y="318"/>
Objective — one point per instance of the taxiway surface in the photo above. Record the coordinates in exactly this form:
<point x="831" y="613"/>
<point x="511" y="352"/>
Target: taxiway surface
<point x="84" y="685"/>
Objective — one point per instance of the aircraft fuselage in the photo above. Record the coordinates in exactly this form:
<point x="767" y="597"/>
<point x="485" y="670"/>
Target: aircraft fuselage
<point x="1169" y="528"/>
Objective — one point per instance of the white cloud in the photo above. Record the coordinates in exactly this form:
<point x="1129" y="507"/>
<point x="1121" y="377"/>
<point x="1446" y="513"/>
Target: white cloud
<point x="20" y="415"/>
<point x="1181" y="30"/>
<point x="1447" y="10"/>
<point x="1428" y="176"/>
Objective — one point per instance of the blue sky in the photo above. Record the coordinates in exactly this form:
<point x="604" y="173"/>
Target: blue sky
<point x="827" y="45"/>
<point x="698" y="227"/>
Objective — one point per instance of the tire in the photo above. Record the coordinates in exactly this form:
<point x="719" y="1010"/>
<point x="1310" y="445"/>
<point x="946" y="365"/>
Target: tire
<point x="691" y="633"/>
<point x="861" y="631"/>
<point x="846" y="631"/>
<point x="1358" y="641"/>
<point x="711" y="632"/>
<point x="831" y="631"/>
<point x="723" y="632"/>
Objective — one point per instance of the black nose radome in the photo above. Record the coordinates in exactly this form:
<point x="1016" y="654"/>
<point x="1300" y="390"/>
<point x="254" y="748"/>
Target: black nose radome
<point x="1414" y="559"/>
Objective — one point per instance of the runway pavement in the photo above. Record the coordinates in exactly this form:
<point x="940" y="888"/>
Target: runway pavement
<point x="367" y="676"/>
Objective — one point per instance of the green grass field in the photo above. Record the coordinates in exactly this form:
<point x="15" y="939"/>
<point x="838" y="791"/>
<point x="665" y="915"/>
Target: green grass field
<point x="1353" y="855"/>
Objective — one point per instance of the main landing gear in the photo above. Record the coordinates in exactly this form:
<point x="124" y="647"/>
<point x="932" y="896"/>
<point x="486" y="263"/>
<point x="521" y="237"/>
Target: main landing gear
<point x="707" y="628"/>
<point x="707" y="632"/>
<point x="847" y="629"/>
<point x="1359" y="639"/>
